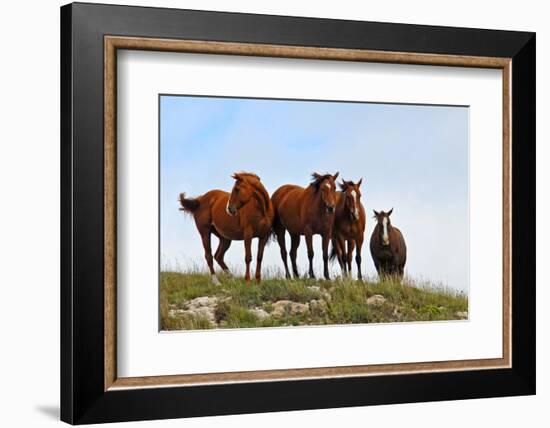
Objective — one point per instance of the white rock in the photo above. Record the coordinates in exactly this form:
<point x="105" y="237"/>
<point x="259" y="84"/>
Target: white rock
<point x="202" y="301"/>
<point x="259" y="313"/>
<point x="283" y="307"/>
<point x="376" y="300"/>
<point x="202" y="312"/>
<point x="203" y="306"/>
<point x="462" y="315"/>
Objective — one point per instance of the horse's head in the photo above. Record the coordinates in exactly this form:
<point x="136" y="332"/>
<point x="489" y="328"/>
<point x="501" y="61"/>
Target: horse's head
<point x="352" y="197"/>
<point x="326" y="185"/>
<point x="384" y="222"/>
<point x="242" y="191"/>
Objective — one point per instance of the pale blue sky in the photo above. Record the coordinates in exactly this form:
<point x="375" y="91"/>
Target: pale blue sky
<point x="411" y="157"/>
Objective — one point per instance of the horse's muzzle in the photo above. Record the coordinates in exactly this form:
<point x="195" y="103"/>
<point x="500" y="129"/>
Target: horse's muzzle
<point x="330" y="209"/>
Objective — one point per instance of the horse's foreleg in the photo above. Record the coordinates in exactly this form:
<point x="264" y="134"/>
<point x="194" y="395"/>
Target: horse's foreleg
<point x="220" y="253"/>
<point x="401" y="273"/>
<point x="310" y="253"/>
<point x="261" y="245"/>
<point x="358" y="258"/>
<point x="280" y="233"/>
<point x="326" y="240"/>
<point x="295" y="243"/>
<point x="247" y="255"/>
<point x="205" y="236"/>
<point x="349" y="254"/>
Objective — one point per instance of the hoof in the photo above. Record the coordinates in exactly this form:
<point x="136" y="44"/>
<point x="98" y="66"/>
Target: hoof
<point x="215" y="280"/>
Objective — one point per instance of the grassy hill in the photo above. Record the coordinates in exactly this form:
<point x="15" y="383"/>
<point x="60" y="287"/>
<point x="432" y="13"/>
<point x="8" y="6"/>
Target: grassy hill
<point x="190" y="301"/>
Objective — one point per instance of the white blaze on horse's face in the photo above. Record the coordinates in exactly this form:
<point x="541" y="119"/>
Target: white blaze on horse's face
<point x="385" y="236"/>
<point x="355" y="211"/>
<point x="328" y="185"/>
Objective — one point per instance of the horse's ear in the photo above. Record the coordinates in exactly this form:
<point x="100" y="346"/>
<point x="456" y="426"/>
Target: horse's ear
<point x="335" y="176"/>
<point x="342" y="185"/>
<point x="389" y="212"/>
<point x="316" y="176"/>
<point x="359" y="182"/>
<point x="235" y="176"/>
<point x="376" y="213"/>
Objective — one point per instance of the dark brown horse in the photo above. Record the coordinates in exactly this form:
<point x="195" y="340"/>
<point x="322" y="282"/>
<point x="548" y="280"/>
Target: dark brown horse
<point x="387" y="247"/>
<point x="307" y="212"/>
<point x="244" y="214"/>
<point x="349" y="226"/>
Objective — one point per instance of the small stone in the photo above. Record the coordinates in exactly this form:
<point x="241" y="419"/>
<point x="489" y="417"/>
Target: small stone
<point x="315" y="288"/>
<point x="376" y="300"/>
<point x="259" y="313"/>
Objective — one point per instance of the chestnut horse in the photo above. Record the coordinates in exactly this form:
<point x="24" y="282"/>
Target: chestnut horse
<point x="349" y="226"/>
<point x="387" y="247"/>
<point x="244" y="214"/>
<point x="307" y="212"/>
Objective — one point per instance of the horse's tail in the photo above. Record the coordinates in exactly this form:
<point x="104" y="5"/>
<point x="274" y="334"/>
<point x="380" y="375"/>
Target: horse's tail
<point x="188" y="205"/>
<point x="274" y="226"/>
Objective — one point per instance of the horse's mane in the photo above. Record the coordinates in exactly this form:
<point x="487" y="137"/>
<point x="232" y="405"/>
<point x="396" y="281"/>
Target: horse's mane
<point x="344" y="185"/>
<point x="317" y="179"/>
<point x="261" y="193"/>
<point x="243" y="175"/>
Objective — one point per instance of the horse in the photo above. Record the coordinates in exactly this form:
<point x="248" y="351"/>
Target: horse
<point x="243" y="214"/>
<point x="349" y="226"/>
<point x="387" y="247"/>
<point x="305" y="212"/>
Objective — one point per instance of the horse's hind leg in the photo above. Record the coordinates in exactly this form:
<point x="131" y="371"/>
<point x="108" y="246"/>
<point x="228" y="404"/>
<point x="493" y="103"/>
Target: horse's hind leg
<point x="205" y="236"/>
<point x="220" y="253"/>
<point x="261" y="245"/>
<point x="295" y="243"/>
<point x="358" y="259"/>
<point x="280" y="233"/>
<point x="310" y="253"/>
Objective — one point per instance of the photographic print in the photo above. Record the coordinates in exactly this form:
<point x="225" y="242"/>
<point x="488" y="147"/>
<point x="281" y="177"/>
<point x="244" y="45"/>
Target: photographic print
<point x="283" y="212"/>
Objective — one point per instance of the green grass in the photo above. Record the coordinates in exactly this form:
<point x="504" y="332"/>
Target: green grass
<point x="336" y="302"/>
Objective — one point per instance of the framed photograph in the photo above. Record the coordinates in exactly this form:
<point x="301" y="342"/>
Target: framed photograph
<point x="265" y="213"/>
